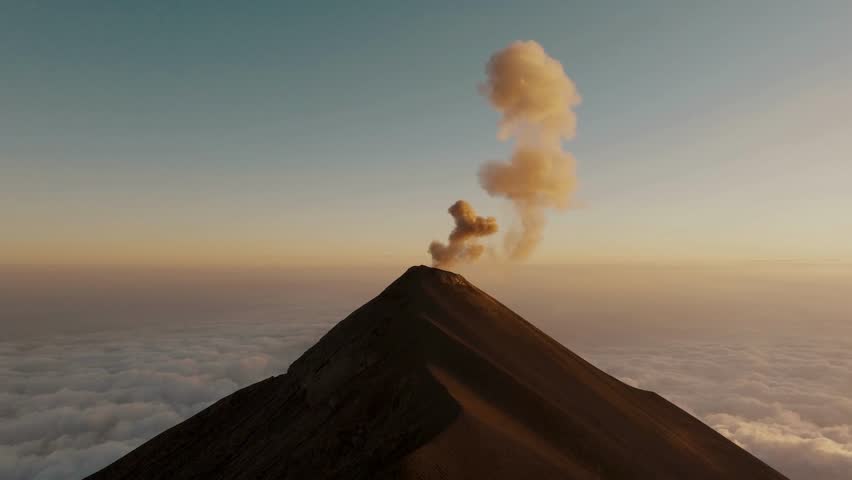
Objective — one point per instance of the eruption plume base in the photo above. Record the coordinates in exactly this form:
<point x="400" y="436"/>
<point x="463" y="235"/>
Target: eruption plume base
<point x="462" y="245"/>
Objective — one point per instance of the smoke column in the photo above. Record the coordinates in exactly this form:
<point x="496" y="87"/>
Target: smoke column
<point x="462" y="245"/>
<point x="535" y="98"/>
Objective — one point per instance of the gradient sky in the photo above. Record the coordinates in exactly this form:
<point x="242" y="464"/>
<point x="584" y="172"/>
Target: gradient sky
<point x="339" y="132"/>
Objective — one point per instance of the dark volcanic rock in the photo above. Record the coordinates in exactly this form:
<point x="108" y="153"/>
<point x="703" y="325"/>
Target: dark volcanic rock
<point x="434" y="379"/>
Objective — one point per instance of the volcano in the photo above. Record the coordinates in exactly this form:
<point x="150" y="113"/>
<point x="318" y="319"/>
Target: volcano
<point x="433" y="380"/>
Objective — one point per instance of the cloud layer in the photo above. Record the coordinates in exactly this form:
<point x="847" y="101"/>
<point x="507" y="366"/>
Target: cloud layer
<point x="74" y="405"/>
<point x="71" y="406"/>
<point x="787" y="402"/>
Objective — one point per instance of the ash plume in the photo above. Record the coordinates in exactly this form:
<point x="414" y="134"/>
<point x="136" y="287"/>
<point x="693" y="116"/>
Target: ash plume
<point x="462" y="244"/>
<point x="535" y="98"/>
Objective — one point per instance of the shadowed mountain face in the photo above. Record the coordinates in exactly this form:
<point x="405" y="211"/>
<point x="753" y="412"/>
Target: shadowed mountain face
<point x="434" y="379"/>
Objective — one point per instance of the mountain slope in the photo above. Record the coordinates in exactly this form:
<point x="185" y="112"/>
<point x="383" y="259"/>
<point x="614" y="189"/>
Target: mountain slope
<point x="434" y="379"/>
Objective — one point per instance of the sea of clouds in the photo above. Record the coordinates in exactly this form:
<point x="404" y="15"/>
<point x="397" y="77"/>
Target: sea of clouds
<point x="78" y="402"/>
<point x="787" y="402"/>
<point x="73" y="402"/>
<point x="72" y="405"/>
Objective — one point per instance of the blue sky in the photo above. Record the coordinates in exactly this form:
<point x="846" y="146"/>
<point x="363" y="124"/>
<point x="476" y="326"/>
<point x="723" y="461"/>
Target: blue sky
<point x="334" y="131"/>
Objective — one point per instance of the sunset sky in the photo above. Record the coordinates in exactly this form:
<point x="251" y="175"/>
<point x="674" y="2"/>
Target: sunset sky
<point x="193" y="192"/>
<point x="270" y="133"/>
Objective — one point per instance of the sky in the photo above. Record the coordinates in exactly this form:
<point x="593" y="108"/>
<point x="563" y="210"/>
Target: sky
<point x="316" y="133"/>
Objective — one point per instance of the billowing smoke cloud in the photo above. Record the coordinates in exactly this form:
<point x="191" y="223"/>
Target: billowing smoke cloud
<point x="462" y="245"/>
<point x="535" y="98"/>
